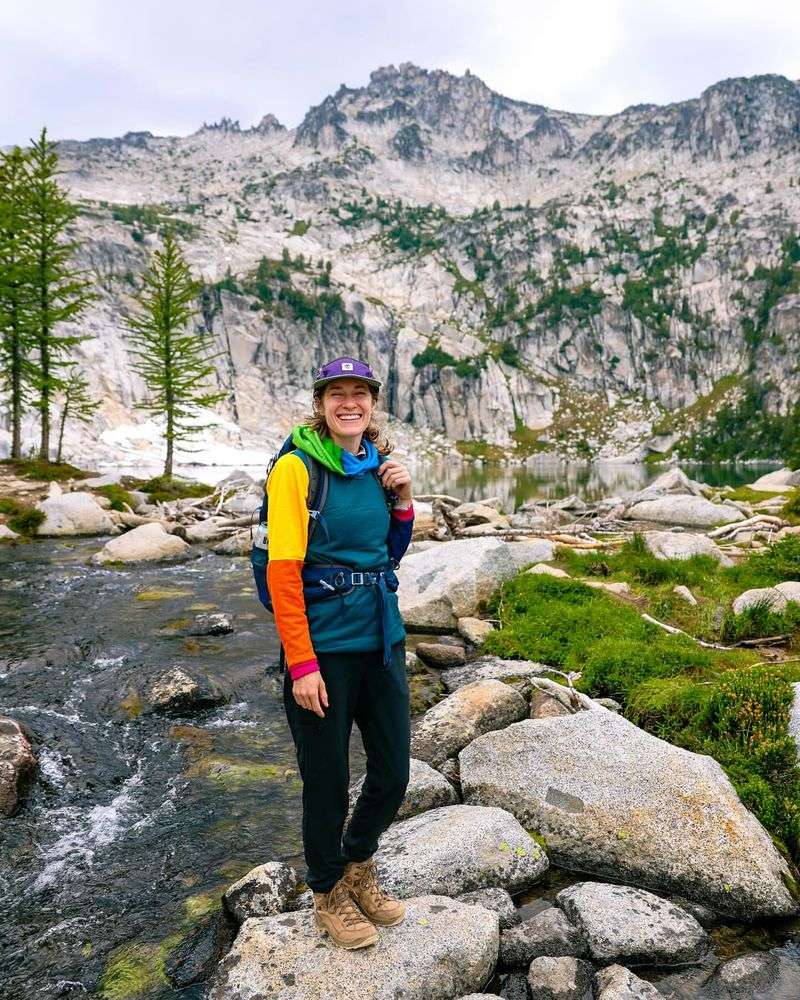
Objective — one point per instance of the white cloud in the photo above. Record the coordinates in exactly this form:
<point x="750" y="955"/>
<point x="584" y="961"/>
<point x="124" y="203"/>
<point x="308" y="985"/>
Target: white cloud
<point x="88" y="68"/>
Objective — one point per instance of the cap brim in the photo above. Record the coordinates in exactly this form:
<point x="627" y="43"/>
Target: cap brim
<point x="340" y="378"/>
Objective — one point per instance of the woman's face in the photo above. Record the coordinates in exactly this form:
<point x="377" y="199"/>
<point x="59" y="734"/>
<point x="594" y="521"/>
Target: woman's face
<point x="347" y="406"/>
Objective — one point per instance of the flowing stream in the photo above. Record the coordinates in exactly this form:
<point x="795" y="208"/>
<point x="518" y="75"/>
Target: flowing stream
<point x="136" y="823"/>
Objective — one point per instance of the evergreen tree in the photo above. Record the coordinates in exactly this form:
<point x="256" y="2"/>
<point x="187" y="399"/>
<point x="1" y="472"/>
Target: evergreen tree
<point x="16" y="283"/>
<point x="172" y="361"/>
<point x="76" y="403"/>
<point x="61" y="290"/>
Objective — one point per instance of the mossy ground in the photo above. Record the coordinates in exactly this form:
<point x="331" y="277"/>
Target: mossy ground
<point x="118" y="496"/>
<point x="20" y="516"/>
<point x="163" y="488"/>
<point x="732" y="704"/>
<point x="32" y="468"/>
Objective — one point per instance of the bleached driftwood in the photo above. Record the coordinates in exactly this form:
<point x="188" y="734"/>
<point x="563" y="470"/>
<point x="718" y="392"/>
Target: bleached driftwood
<point x="765" y="519"/>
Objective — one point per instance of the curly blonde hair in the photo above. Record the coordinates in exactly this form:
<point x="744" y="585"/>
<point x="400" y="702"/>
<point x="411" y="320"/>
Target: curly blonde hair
<point x="373" y="433"/>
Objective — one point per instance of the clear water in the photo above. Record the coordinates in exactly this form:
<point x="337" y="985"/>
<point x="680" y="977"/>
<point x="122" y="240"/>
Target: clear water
<point x="127" y="836"/>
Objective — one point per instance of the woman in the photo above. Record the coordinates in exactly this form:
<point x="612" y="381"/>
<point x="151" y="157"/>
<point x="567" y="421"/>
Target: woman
<point x="345" y="654"/>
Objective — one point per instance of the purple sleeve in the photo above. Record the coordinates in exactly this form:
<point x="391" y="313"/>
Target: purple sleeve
<point x="401" y="524"/>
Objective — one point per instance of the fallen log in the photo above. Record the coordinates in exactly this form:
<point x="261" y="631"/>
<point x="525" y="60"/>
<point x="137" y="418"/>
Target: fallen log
<point x="767" y="519"/>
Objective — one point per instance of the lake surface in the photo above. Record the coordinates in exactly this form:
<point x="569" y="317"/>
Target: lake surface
<point x="137" y="823"/>
<point x="514" y="484"/>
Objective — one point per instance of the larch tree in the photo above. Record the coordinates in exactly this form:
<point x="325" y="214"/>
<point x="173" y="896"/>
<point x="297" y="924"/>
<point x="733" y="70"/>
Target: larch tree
<point x="169" y="354"/>
<point x="76" y="403"/>
<point x="61" y="290"/>
<point x="16" y="285"/>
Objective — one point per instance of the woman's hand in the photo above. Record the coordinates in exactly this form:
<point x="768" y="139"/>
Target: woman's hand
<point x="396" y="477"/>
<point x="310" y="692"/>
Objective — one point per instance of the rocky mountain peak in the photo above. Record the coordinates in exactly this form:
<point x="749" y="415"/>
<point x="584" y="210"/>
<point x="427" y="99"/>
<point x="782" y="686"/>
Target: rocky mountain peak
<point x="744" y="114"/>
<point x="225" y="124"/>
<point x="269" y="124"/>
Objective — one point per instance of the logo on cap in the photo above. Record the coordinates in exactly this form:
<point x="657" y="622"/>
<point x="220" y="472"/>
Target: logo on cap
<point x="347" y="366"/>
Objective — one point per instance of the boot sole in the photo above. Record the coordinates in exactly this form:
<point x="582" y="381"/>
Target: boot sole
<point x="349" y="945"/>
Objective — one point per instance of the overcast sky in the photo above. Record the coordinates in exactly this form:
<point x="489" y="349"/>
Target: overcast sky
<point x="97" y="68"/>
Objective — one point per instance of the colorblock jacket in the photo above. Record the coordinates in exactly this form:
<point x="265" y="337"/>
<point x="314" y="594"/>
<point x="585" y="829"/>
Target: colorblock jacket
<point x="356" y="530"/>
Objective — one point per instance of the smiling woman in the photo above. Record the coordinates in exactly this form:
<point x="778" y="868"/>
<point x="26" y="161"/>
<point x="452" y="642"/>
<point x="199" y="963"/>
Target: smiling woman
<point x="345" y="653"/>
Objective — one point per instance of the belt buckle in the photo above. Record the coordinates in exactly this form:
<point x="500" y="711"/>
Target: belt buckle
<point x="357" y="582"/>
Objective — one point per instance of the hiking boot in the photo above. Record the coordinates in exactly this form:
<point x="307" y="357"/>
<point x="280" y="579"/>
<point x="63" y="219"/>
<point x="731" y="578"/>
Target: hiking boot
<point x="336" y="913"/>
<point x="376" y="904"/>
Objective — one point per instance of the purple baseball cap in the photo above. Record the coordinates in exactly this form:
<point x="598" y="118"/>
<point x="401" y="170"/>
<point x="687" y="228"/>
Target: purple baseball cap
<point x="345" y="368"/>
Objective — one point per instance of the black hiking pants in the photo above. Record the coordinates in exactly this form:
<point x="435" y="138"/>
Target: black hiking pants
<point x="359" y="688"/>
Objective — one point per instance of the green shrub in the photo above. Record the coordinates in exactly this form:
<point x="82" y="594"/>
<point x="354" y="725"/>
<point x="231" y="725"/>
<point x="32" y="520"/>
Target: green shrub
<point x="781" y="560"/>
<point x="614" y="666"/>
<point x="22" y="518"/>
<point x="634" y="559"/>
<point x="117" y="495"/>
<point x="791" y="509"/>
<point x="32" y="468"/>
<point x="748" y="706"/>
<point x="433" y="356"/>
<point x="555" y="621"/>
<point x="162" y="488"/>
<point x="759" y="621"/>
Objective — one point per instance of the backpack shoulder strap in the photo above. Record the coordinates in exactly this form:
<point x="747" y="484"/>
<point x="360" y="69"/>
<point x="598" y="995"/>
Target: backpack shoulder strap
<point x="318" y="477"/>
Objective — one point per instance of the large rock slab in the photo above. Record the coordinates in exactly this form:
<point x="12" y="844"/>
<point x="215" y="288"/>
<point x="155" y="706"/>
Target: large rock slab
<point x="612" y="800"/>
<point x="455" y="849"/>
<point x="623" y="924"/>
<point x="147" y="543"/>
<point x="17" y="765"/>
<point x="427" y="789"/>
<point x="518" y="673"/>
<point x="776" y="480"/>
<point x="470" y="711"/>
<point x="694" y="512"/>
<point x="452" y="580"/>
<point x="683" y="545"/>
<point x="443" y="949"/>
<point x="73" y="514"/>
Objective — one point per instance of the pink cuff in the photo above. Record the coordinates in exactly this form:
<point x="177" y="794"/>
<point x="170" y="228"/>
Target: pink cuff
<point x="298" y="670"/>
<point x="403" y="515"/>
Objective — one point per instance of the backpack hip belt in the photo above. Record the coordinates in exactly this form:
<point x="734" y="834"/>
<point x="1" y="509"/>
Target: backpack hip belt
<point x="324" y="582"/>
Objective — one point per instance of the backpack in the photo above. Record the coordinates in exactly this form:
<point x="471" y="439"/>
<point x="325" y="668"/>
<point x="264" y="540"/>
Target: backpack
<point x="315" y="501"/>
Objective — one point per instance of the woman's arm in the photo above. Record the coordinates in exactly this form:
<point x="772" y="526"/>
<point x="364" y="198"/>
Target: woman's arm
<point x="287" y="532"/>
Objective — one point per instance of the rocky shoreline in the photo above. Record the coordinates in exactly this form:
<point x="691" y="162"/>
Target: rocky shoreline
<point x="511" y="769"/>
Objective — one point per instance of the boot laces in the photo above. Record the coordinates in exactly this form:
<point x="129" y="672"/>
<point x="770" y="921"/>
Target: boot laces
<point x="342" y="902"/>
<point x="367" y="879"/>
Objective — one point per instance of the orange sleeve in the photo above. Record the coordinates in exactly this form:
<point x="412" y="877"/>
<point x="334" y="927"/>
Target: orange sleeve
<point x="287" y="531"/>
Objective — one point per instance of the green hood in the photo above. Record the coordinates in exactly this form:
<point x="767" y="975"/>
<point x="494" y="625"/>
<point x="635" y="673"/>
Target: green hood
<point x="326" y="451"/>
